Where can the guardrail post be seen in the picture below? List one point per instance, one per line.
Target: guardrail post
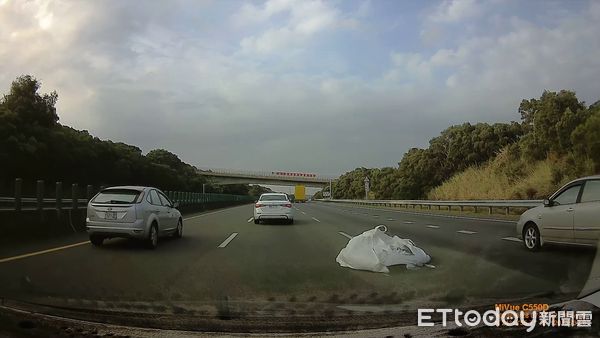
(507, 210)
(461, 208)
(39, 193)
(58, 197)
(74, 199)
(89, 192)
(18, 193)
(490, 210)
(475, 209)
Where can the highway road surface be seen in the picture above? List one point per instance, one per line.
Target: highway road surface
(226, 263)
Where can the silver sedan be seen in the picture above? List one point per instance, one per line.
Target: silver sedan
(132, 212)
(570, 216)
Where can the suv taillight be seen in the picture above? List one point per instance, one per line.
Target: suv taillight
(287, 205)
(258, 205)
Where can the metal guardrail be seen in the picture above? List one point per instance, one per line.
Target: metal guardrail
(18, 202)
(505, 205)
(183, 198)
(32, 203)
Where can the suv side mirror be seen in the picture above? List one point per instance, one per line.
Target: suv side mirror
(175, 204)
(548, 203)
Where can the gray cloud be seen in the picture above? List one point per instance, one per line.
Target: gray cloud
(163, 75)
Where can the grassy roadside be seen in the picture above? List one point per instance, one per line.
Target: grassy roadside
(483, 213)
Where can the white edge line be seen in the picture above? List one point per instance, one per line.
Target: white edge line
(316, 220)
(344, 234)
(229, 239)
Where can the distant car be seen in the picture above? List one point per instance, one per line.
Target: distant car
(132, 212)
(570, 216)
(273, 206)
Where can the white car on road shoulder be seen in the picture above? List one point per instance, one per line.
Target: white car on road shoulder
(570, 216)
(273, 206)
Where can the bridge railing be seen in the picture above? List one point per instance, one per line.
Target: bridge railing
(264, 173)
(76, 198)
(490, 205)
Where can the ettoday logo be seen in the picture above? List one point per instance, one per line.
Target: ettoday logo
(497, 318)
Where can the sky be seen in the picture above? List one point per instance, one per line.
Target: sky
(309, 86)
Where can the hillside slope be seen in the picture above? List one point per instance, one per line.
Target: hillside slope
(505, 177)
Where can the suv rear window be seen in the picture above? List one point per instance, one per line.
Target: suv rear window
(116, 196)
(273, 198)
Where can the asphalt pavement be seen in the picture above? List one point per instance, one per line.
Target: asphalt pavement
(225, 257)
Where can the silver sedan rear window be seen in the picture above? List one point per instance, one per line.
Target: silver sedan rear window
(116, 196)
(273, 198)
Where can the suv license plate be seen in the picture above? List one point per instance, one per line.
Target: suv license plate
(111, 215)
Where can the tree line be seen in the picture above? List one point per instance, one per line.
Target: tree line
(555, 125)
(34, 145)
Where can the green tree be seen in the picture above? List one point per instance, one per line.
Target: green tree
(549, 122)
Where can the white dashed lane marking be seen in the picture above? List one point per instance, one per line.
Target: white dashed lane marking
(229, 239)
(316, 220)
(344, 234)
(409, 222)
(466, 232)
(512, 239)
(433, 226)
(250, 220)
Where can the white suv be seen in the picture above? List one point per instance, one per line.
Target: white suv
(273, 206)
(132, 212)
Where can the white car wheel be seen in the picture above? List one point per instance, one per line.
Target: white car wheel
(531, 237)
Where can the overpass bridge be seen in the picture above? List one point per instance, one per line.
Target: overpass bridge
(228, 176)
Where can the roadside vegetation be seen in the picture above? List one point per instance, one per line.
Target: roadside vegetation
(34, 145)
(557, 139)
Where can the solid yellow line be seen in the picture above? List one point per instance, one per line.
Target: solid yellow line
(8, 259)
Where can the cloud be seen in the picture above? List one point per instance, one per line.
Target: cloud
(452, 11)
(305, 19)
(200, 79)
(485, 77)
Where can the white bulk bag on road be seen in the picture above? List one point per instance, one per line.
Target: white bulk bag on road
(373, 250)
